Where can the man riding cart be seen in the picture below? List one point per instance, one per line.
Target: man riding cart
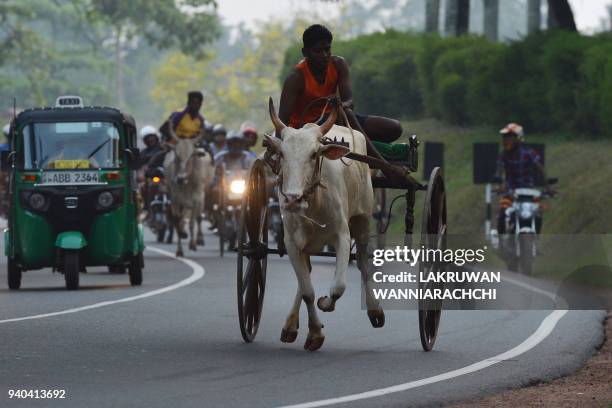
(307, 92)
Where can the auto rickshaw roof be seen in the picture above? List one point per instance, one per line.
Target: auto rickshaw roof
(86, 114)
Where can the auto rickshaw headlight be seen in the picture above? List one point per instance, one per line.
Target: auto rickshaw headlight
(105, 199)
(37, 201)
(237, 186)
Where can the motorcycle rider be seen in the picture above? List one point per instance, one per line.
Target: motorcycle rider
(150, 137)
(249, 133)
(521, 167)
(232, 159)
(219, 135)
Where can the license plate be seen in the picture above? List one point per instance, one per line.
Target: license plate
(70, 177)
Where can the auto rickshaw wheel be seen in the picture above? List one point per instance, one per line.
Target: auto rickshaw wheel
(135, 269)
(72, 269)
(13, 274)
(433, 236)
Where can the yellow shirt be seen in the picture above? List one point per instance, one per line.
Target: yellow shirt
(188, 127)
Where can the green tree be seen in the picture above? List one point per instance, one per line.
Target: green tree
(190, 26)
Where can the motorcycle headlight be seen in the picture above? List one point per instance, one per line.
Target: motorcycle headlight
(526, 210)
(156, 179)
(237, 186)
(37, 201)
(105, 199)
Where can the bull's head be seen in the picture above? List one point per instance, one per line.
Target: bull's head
(300, 151)
(185, 153)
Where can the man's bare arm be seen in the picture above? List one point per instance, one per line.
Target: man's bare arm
(292, 89)
(344, 82)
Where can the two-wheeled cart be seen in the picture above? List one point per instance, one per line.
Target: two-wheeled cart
(253, 247)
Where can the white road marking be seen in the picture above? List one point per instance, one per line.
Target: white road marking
(198, 273)
(543, 331)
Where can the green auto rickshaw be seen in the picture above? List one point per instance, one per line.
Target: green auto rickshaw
(73, 192)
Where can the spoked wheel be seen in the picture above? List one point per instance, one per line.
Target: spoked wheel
(433, 236)
(252, 252)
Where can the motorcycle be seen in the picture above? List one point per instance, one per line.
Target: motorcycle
(523, 209)
(159, 205)
(227, 210)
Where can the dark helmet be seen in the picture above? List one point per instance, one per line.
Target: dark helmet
(219, 128)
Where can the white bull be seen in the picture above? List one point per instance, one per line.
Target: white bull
(187, 170)
(327, 212)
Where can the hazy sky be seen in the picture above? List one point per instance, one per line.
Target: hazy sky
(588, 13)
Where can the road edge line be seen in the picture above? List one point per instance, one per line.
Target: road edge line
(198, 273)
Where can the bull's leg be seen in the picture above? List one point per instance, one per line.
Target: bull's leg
(299, 260)
(192, 239)
(292, 323)
(360, 229)
(176, 220)
(200, 234)
(343, 254)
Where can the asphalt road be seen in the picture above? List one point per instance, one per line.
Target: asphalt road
(175, 342)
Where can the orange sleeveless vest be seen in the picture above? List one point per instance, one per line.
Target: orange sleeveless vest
(313, 90)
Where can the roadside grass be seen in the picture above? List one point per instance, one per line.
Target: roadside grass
(583, 205)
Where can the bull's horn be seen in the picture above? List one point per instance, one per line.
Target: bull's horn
(278, 124)
(327, 125)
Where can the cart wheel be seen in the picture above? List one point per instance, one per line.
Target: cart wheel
(433, 236)
(135, 269)
(252, 250)
(72, 269)
(13, 274)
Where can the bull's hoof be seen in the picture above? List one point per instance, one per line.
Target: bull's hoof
(200, 241)
(377, 318)
(314, 342)
(326, 304)
(288, 336)
(193, 246)
(179, 253)
(183, 235)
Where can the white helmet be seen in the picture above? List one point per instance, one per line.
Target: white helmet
(148, 130)
(513, 128)
(6, 129)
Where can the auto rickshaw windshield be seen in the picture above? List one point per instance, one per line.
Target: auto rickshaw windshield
(70, 145)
